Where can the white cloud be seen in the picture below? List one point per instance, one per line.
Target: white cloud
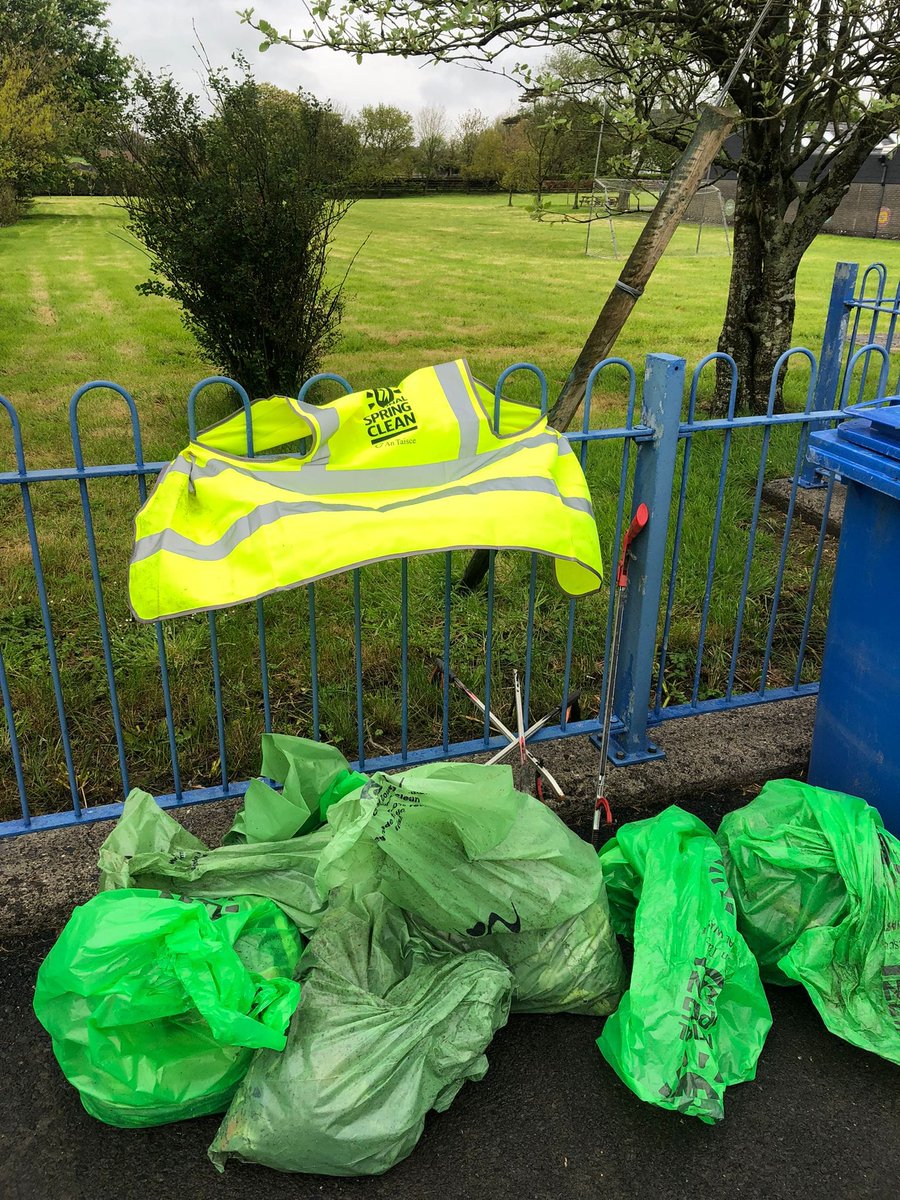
(161, 34)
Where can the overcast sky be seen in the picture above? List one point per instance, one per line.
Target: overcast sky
(160, 33)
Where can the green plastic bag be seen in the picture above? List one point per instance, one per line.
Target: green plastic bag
(387, 1029)
(816, 878)
(155, 1003)
(150, 849)
(575, 968)
(458, 848)
(313, 776)
(695, 1017)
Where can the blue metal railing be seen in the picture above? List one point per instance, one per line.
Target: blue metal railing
(848, 308)
(654, 459)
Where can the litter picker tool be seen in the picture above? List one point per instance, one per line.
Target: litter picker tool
(518, 739)
(601, 804)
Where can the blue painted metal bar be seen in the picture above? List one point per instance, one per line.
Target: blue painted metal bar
(789, 517)
(567, 670)
(161, 647)
(529, 639)
(445, 709)
(854, 358)
(357, 651)
(44, 603)
(313, 659)
(873, 326)
(763, 421)
(324, 377)
(404, 658)
(56, 474)
(813, 582)
(679, 521)
(831, 356)
(14, 748)
(489, 647)
(757, 503)
(627, 431)
(714, 539)
(217, 692)
(505, 374)
(653, 480)
(87, 517)
(321, 378)
(211, 381)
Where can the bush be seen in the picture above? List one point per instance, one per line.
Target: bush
(10, 205)
(237, 210)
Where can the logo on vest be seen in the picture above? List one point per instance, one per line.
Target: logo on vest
(389, 415)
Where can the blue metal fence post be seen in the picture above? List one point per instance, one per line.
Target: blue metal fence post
(654, 476)
(832, 356)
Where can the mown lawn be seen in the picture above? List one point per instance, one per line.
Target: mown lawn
(437, 278)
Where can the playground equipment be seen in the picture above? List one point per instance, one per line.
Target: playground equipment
(628, 199)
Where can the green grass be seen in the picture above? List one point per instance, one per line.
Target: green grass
(438, 277)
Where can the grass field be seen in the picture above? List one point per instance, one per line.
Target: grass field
(438, 277)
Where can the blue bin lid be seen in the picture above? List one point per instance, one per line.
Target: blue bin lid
(875, 428)
(865, 447)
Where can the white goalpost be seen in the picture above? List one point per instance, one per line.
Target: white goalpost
(628, 199)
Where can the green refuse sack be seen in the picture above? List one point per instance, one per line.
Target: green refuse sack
(149, 849)
(816, 878)
(156, 1003)
(458, 848)
(695, 1016)
(387, 1029)
(313, 776)
(575, 968)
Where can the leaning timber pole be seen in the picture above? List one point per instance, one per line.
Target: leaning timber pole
(712, 129)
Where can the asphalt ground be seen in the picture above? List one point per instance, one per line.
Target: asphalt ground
(550, 1120)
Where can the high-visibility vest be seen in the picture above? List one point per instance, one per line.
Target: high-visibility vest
(386, 473)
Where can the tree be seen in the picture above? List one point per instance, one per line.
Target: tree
(70, 46)
(495, 150)
(386, 135)
(237, 210)
(30, 131)
(431, 128)
(469, 128)
(819, 88)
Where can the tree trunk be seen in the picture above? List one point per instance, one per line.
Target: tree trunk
(759, 316)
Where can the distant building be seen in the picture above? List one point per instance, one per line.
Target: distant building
(871, 205)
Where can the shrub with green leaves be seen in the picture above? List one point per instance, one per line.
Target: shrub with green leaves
(237, 208)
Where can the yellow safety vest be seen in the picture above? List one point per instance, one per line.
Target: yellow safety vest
(390, 472)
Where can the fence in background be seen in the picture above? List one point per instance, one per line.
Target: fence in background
(654, 450)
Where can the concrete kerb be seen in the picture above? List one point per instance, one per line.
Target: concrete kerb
(43, 876)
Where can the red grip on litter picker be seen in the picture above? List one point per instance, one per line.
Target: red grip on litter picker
(637, 526)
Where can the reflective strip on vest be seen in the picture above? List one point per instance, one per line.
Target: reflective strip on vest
(386, 473)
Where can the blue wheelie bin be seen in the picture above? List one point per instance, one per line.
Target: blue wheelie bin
(856, 739)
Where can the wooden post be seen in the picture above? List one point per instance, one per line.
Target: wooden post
(712, 129)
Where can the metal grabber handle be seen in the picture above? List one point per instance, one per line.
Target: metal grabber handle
(634, 530)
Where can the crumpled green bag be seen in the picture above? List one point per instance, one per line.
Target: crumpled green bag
(149, 849)
(387, 1029)
(458, 848)
(313, 776)
(816, 878)
(574, 968)
(155, 1003)
(695, 1017)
